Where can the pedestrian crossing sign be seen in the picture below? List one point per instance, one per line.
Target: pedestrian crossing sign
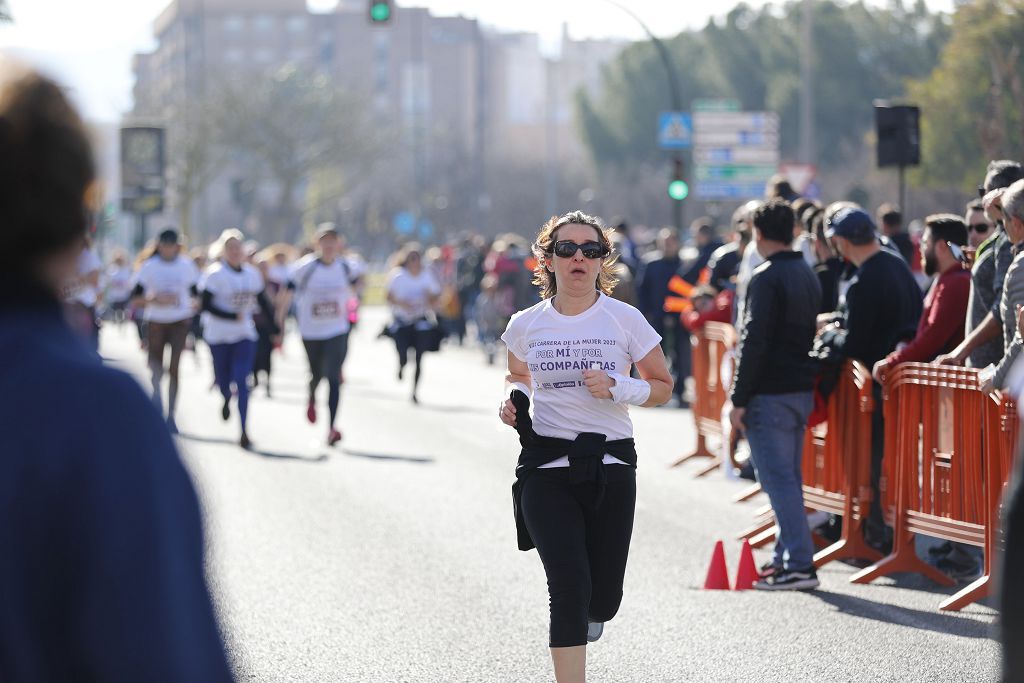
(675, 130)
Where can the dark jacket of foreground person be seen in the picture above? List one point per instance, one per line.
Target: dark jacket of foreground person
(102, 547)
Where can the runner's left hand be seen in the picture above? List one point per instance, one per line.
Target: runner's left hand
(598, 383)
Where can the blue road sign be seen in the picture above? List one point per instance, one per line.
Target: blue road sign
(405, 223)
(675, 130)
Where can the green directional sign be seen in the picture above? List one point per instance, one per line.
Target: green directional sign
(734, 173)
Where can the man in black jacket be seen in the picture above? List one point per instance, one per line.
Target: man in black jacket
(772, 388)
(882, 308)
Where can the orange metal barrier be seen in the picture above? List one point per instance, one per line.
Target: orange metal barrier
(836, 468)
(710, 345)
(949, 449)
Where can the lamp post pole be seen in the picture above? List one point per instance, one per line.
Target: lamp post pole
(674, 91)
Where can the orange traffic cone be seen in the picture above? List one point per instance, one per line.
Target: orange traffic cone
(718, 573)
(746, 572)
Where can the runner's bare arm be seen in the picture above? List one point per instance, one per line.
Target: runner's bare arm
(518, 371)
(654, 370)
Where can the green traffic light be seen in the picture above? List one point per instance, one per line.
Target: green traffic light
(678, 190)
(380, 11)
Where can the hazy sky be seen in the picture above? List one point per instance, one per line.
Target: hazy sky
(89, 44)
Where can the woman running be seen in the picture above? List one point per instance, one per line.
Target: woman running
(575, 489)
(231, 291)
(166, 286)
(266, 329)
(81, 295)
(117, 287)
(413, 292)
(323, 284)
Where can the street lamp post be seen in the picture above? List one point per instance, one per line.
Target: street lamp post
(675, 95)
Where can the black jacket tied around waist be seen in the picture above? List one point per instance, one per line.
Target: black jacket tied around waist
(586, 460)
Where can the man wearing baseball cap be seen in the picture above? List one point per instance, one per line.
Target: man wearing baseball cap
(882, 309)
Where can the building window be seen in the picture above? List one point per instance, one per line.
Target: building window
(263, 56)
(234, 23)
(296, 24)
(233, 56)
(263, 23)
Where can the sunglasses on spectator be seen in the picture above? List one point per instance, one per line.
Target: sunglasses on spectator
(568, 248)
(979, 227)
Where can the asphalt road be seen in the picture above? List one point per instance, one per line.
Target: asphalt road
(392, 557)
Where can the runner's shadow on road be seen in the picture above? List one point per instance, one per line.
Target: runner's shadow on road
(905, 616)
(322, 457)
(418, 460)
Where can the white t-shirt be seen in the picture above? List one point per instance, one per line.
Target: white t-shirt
(118, 281)
(234, 291)
(78, 291)
(415, 291)
(170, 282)
(279, 273)
(322, 294)
(558, 348)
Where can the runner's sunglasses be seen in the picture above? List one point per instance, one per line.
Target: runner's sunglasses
(567, 249)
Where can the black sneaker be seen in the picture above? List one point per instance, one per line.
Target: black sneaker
(768, 569)
(225, 411)
(790, 580)
(594, 631)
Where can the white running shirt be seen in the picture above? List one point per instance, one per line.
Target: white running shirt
(415, 291)
(170, 283)
(234, 291)
(78, 291)
(322, 295)
(558, 348)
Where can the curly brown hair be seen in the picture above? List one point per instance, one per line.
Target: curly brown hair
(544, 245)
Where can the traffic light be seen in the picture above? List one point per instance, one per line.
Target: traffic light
(380, 11)
(677, 187)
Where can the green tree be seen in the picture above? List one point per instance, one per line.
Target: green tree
(293, 124)
(972, 104)
(861, 54)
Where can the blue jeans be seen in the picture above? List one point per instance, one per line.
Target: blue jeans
(775, 425)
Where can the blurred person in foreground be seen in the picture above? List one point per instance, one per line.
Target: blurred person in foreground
(945, 307)
(772, 392)
(102, 535)
(1011, 560)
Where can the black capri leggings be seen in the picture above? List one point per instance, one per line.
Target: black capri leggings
(583, 550)
(326, 356)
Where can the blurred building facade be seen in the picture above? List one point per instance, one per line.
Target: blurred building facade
(464, 101)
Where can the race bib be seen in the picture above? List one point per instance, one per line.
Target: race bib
(326, 309)
(242, 301)
(167, 299)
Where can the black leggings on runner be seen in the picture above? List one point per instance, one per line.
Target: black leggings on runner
(583, 550)
(408, 337)
(326, 356)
